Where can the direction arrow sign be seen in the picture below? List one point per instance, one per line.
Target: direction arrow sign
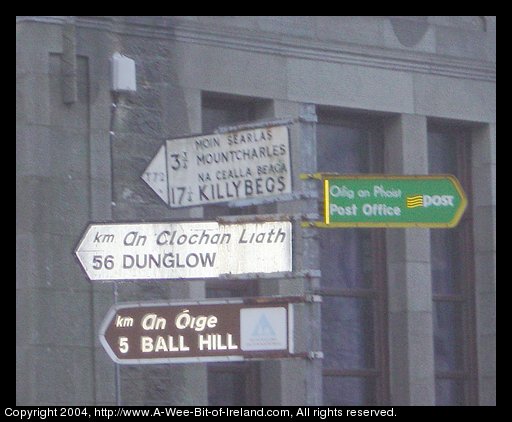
(184, 250)
(435, 201)
(209, 169)
(204, 331)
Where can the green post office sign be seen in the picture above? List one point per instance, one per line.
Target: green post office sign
(435, 201)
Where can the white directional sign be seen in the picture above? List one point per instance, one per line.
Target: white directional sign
(184, 250)
(215, 168)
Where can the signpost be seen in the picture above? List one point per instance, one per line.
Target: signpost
(184, 250)
(199, 331)
(209, 169)
(434, 201)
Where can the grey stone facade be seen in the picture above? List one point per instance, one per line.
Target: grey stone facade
(70, 171)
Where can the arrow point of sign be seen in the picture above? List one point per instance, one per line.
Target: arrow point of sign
(78, 249)
(155, 175)
(83, 250)
(463, 201)
(109, 318)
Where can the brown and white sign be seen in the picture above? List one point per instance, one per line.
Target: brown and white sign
(214, 168)
(200, 331)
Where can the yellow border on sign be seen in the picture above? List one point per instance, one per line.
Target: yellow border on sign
(327, 176)
(326, 202)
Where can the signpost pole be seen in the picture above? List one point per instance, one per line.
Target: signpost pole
(117, 368)
(111, 134)
(310, 248)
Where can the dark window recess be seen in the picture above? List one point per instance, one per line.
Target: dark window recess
(453, 278)
(353, 265)
(229, 110)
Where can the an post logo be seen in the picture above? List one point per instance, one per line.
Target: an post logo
(426, 201)
(414, 201)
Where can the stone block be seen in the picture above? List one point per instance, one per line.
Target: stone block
(461, 43)
(419, 287)
(417, 247)
(485, 271)
(454, 98)
(32, 145)
(25, 332)
(51, 205)
(487, 391)
(398, 358)
(397, 285)
(293, 382)
(62, 319)
(484, 230)
(347, 29)
(290, 26)
(270, 371)
(55, 265)
(423, 394)
(487, 355)
(484, 186)
(33, 42)
(139, 120)
(104, 378)
(349, 86)
(22, 376)
(61, 376)
(486, 313)
(238, 72)
(230, 23)
(32, 99)
(68, 154)
(484, 145)
(26, 260)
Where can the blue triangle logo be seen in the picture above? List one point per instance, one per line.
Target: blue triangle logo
(263, 328)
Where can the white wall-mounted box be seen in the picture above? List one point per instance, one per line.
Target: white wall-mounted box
(123, 73)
